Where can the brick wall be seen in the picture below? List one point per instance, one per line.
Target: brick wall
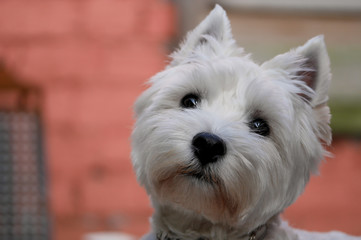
(90, 57)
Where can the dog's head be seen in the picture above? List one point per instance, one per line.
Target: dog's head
(223, 137)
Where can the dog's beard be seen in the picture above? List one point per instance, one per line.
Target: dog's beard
(201, 189)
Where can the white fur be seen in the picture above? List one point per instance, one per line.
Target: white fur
(259, 176)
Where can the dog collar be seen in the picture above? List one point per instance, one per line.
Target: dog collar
(257, 234)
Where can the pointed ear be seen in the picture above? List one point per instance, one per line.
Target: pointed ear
(315, 72)
(213, 33)
(308, 64)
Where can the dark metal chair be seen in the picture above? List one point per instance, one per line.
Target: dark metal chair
(24, 211)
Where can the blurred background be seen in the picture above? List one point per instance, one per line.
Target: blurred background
(70, 71)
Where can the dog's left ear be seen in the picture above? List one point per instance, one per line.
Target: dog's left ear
(212, 36)
(315, 72)
(309, 68)
(308, 64)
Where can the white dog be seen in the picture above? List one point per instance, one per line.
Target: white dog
(223, 145)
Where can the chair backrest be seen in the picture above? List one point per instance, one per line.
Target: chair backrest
(23, 183)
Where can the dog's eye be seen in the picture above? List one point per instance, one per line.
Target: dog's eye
(190, 101)
(259, 126)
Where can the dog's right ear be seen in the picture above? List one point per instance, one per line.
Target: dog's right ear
(212, 36)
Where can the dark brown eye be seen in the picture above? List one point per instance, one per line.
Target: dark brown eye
(190, 101)
(260, 127)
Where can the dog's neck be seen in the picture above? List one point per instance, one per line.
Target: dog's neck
(172, 224)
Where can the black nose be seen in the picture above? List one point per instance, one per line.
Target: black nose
(208, 147)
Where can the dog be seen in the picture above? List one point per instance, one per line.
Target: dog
(223, 145)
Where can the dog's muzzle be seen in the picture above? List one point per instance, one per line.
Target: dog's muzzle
(208, 147)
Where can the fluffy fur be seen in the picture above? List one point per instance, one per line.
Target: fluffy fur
(260, 175)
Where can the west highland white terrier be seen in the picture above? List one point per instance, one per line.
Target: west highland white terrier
(223, 145)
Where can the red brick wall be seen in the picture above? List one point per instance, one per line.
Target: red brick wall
(91, 58)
